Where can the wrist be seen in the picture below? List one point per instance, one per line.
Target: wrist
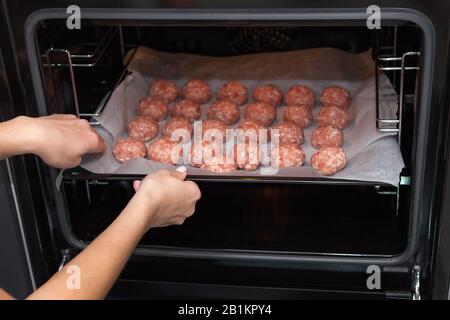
(15, 136)
(142, 209)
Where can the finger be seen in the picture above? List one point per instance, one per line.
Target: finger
(195, 190)
(179, 173)
(136, 184)
(59, 116)
(97, 145)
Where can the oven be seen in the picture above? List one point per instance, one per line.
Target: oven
(274, 238)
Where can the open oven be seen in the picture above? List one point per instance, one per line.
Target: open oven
(274, 237)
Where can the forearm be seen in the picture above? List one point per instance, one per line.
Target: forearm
(13, 137)
(101, 262)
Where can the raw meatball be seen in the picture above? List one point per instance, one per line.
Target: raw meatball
(224, 110)
(330, 115)
(288, 132)
(301, 115)
(165, 90)
(286, 155)
(178, 123)
(129, 148)
(298, 95)
(197, 91)
(187, 109)
(262, 112)
(143, 128)
(337, 96)
(329, 161)
(269, 93)
(163, 150)
(207, 153)
(153, 107)
(219, 168)
(234, 91)
(250, 128)
(211, 124)
(246, 156)
(327, 136)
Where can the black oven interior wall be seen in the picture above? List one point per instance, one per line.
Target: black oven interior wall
(356, 218)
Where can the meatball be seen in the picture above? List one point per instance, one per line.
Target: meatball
(187, 109)
(286, 155)
(330, 115)
(224, 110)
(163, 150)
(246, 156)
(181, 126)
(143, 128)
(269, 93)
(251, 128)
(197, 91)
(209, 128)
(164, 90)
(153, 107)
(329, 161)
(261, 112)
(129, 148)
(327, 136)
(298, 95)
(337, 96)
(288, 132)
(301, 115)
(207, 153)
(234, 91)
(219, 168)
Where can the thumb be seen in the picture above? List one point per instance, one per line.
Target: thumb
(179, 173)
(136, 184)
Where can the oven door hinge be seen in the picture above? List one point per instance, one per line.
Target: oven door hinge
(65, 257)
(416, 274)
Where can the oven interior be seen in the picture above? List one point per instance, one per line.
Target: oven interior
(80, 68)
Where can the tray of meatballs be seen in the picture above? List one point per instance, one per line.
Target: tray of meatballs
(239, 127)
(258, 116)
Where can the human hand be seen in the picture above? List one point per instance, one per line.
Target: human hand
(164, 198)
(60, 140)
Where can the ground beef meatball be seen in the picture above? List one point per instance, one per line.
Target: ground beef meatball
(219, 168)
(208, 153)
(186, 109)
(286, 155)
(178, 123)
(268, 93)
(246, 155)
(301, 115)
(337, 96)
(143, 128)
(164, 90)
(163, 150)
(197, 91)
(261, 112)
(234, 91)
(329, 161)
(129, 148)
(153, 107)
(330, 115)
(327, 136)
(209, 125)
(251, 128)
(300, 95)
(288, 132)
(224, 110)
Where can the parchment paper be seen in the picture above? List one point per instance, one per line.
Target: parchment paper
(372, 155)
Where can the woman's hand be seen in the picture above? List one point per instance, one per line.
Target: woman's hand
(60, 140)
(163, 198)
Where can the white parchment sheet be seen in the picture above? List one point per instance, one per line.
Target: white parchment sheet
(372, 155)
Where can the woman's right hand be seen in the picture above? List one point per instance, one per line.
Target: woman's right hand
(163, 198)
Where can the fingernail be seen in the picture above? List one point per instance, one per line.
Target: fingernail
(181, 169)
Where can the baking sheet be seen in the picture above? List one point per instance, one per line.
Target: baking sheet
(372, 155)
